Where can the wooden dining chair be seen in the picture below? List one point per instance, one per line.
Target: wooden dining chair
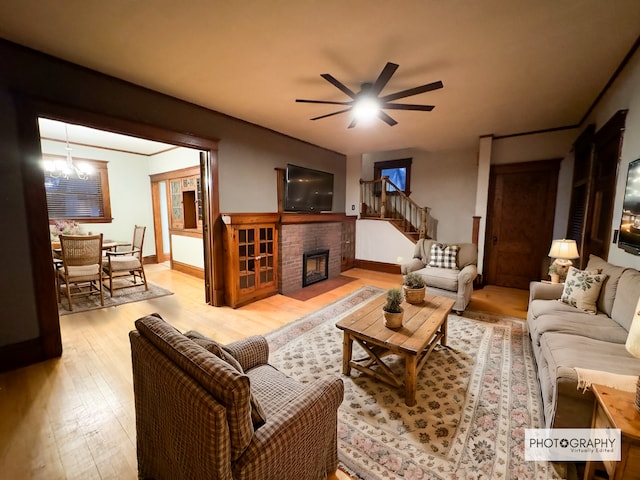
(125, 267)
(81, 272)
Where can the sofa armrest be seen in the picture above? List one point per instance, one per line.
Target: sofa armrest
(545, 291)
(467, 275)
(299, 427)
(250, 352)
(411, 266)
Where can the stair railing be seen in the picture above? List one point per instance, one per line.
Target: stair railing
(381, 198)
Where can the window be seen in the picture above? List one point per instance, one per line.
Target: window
(398, 171)
(86, 201)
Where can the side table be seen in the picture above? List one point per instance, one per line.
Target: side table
(616, 409)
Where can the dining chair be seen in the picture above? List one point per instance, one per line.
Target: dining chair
(81, 273)
(124, 267)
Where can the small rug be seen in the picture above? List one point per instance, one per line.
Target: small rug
(475, 398)
(129, 295)
(319, 288)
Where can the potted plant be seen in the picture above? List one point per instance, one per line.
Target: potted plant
(414, 288)
(392, 311)
(554, 274)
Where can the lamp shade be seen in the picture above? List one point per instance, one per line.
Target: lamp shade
(564, 249)
(633, 339)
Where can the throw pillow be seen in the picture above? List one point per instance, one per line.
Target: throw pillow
(444, 256)
(258, 417)
(582, 288)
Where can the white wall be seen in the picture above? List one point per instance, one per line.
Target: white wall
(443, 181)
(379, 241)
(174, 159)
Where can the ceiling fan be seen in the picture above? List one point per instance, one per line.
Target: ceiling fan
(368, 100)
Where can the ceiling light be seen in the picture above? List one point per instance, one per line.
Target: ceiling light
(65, 168)
(365, 109)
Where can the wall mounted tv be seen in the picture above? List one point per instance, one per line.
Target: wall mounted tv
(307, 190)
(629, 238)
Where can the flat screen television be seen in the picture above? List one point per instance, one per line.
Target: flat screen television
(307, 190)
(629, 237)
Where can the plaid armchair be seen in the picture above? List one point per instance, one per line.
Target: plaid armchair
(207, 411)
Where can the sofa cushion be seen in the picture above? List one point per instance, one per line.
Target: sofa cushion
(627, 295)
(444, 256)
(610, 284)
(582, 288)
(258, 417)
(444, 278)
(467, 255)
(228, 386)
(552, 316)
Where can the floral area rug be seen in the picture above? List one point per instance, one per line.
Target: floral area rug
(475, 397)
(128, 295)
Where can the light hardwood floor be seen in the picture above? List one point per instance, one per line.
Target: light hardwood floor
(73, 417)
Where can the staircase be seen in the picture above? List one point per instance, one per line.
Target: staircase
(382, 199)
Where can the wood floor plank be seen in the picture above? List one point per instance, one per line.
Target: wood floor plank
(74, 417)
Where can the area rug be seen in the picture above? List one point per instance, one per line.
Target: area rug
(133, 294)
(475, 398)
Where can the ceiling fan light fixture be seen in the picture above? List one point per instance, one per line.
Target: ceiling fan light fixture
(366, 109)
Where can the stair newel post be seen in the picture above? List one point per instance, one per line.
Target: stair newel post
(383, 198)
(424, 214)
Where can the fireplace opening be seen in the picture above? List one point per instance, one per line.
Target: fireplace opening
(315, 267)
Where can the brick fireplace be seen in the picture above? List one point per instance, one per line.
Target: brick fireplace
(300, 235)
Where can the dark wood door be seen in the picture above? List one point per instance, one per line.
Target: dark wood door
(522, 199)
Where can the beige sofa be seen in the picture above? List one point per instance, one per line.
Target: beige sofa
(456, 283)
(208, 411)
(565, 338)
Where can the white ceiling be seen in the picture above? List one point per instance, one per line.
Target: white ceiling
(508, 66)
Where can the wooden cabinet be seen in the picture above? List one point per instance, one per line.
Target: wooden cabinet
(186, 203)
(251, 257)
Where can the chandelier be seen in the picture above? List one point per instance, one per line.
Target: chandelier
(67, 168)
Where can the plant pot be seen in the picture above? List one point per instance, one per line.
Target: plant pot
(392, 320)
(414, 296)
(555, 278)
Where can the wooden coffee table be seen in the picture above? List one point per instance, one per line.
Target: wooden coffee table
(423, 327)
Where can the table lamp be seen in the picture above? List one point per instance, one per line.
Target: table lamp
(633, 345)
(563, 251)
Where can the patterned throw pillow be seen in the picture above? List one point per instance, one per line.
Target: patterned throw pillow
(444, 256)
(582, 288)
(258, 417)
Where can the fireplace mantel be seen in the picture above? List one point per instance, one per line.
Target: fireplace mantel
(293, 218)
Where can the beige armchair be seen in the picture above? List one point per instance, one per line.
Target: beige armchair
(123, 268)
(456, 282)
(206, 411)
(80, 274)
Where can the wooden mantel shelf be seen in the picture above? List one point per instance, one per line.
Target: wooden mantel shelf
(283, 218)
(294, 218)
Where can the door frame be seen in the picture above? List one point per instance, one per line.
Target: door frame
(28, 110)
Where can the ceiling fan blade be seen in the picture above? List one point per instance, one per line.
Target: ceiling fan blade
(404, 106)
(384, 77)
(331, 114)
(412, 91)
(329, 78)
(353, 123)
(386, 118)
(323, 102)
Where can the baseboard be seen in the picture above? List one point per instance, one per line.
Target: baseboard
(377, 266)
(21, 354)
(188, 269)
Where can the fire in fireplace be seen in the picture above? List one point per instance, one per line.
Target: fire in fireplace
(315, 267)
